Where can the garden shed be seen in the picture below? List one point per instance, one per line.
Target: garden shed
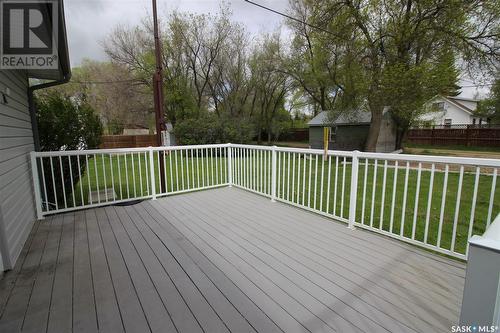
(350, 131)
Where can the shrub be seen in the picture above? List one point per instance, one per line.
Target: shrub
(65, 123)
(209, 128)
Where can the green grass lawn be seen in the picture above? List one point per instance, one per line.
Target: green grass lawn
(374, 207)
(129, 175)
(453, 147)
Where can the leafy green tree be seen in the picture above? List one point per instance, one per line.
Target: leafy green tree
(311, 62)
(270, 86)
(490, 107)
(115, 127)
(408, 88)
(400, 43)
(65, 123)
(214, 129)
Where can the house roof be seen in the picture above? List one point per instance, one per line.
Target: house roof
(135, 126)
(463, 98)
(320, 119)
(456, 101)
(64, 68)
(347, 118)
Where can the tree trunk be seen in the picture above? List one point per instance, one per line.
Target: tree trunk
(400, 137)
(374, 131)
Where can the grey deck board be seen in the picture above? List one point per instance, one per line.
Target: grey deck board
(84, 315)
(324, 293)
(284, 320)
(133, 316)
(251, 312)
(312, 272)
(366, 250)
(199, 295)
(152, 305)
(364, 277)
(312, 306)
(157, 264)
(109, 317)
(12, 316)
(61, 307)
(8, 280)
(223, 260)
(372, 246)
(37, 312)
(287, 302)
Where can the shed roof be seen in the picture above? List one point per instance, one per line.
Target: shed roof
(347, 118)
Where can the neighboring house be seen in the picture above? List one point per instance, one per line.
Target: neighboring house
(168, 135)
(136, 130)
(18, 137)
(448, 110)
(349, 132)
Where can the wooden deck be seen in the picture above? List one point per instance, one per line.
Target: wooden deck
(222, 260)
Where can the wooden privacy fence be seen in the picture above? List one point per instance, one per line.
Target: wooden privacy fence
(295, 134)
(466, 136)
(127, 141)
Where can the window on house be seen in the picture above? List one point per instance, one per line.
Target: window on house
(447, 122)
(438, 106)
(473, 121)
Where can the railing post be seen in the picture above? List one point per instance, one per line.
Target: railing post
(354, 188)
(36, 185)
(273, 174)
(152, 172)
(481, 297)
(230, 165)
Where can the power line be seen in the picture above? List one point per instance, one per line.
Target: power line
(106, 82)
(478, 85)
(291, 17)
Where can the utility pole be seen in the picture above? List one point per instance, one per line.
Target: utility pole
(158, 97)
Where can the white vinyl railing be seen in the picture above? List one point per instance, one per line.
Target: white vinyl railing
(434, 202)
(70, 180)
(481, 298)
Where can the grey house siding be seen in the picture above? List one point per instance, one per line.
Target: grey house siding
(316, 137)
(17, 211)
(352, 135)
(349, 137)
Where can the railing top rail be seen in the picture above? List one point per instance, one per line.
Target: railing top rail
(493, 231)
(433, 159)
(219, 145)
(121, 150)
(87, 152)
(485, 162)
(238, 145)
(491, 237)
(316, 151)
(294, 150)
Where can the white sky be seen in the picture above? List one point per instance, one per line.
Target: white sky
(90, 21)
